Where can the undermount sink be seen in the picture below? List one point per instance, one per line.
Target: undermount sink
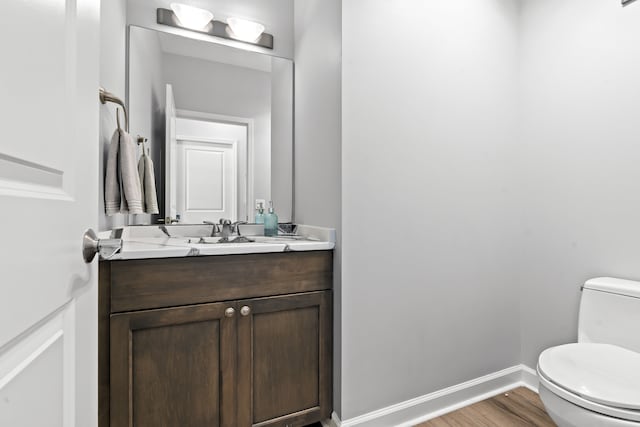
(281, 238)
(247, 239)
(192, 233)
(150, 241)
(221, 240)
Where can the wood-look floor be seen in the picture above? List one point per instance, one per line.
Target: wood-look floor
(517, 408)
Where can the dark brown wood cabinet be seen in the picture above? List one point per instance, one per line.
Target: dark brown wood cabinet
(236, 355)
(284, 360)
(173, 367)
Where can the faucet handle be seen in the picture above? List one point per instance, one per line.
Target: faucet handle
(235, 226)
(214, 227)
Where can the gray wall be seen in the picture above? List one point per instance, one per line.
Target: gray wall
(112, 76)
(317, 134)
(275, 15)
(429, 278)
(580, 153)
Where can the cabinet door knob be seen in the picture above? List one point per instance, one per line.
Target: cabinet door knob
(245, 311)
(229, 312)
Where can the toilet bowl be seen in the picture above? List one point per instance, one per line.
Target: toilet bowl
(584, 385)
(596, 382)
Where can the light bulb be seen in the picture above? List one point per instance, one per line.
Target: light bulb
(192, 17)
(245, 30)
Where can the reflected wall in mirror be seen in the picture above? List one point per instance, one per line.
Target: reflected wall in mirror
(219, 122)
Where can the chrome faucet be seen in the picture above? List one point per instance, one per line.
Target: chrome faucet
(214, 227)
(236, 227)
(229, 228)
(164, 230)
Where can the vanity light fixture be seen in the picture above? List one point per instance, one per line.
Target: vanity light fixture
(200, 20)
(192, 17)
(245, 30)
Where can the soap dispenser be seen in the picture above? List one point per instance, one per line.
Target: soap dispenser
(271, 222)
(260, 214)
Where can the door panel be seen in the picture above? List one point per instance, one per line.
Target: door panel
(168, 364)
(41, 358)
(211, 170)
(173, 367)
(47, 363)
(284, 360)
(48, 193)
(206, 176)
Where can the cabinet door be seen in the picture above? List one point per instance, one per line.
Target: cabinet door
(284, 360)
(174, 367)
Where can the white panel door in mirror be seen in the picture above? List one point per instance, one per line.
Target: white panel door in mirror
(210, 170)
(207, 176)
(205, 179)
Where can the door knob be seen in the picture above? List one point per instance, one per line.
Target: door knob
(91, 246)
(229, 312)
(245, 311)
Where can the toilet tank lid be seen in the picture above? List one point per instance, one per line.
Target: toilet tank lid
(623, 287)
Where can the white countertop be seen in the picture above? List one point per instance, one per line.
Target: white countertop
(145, 242)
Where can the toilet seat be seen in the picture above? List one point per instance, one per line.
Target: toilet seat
(600, 377)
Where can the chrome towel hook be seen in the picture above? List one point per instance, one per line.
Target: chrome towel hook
(143, 141)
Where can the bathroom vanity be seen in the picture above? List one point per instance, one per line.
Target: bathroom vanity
(196, 328)
(229, 340)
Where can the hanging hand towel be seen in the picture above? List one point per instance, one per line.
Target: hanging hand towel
(122, 183)
(148, 184)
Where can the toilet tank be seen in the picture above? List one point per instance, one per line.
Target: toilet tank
(610, 313)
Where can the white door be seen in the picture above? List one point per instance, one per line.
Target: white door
(211, 159)
(48, 197)
(207, 184)
(170, 155)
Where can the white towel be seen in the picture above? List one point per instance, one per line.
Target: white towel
(122, 184)
(148, 184)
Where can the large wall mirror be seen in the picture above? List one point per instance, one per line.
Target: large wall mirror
(219, 124)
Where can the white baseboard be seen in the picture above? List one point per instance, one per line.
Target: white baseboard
(529, 378)
(331, 422)
(433, 405)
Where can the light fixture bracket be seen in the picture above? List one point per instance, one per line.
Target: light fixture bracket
(215, 28)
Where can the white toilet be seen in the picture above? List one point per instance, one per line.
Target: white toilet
(596, 382)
